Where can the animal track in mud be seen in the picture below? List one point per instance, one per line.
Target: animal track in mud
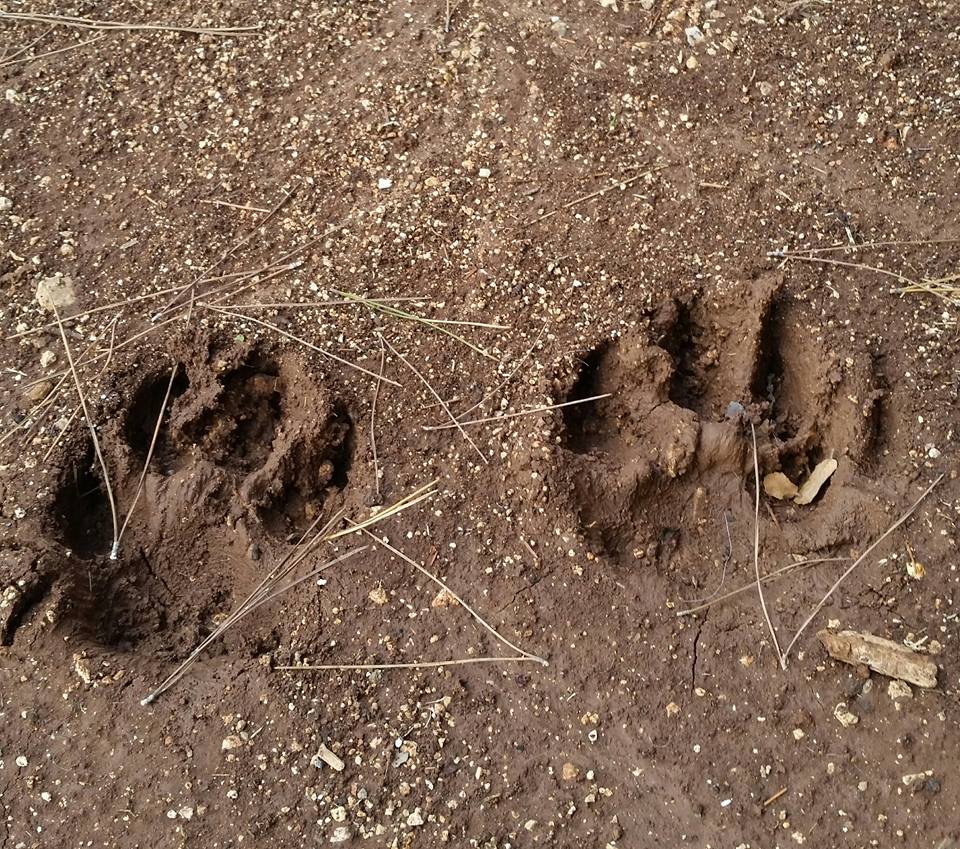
(145, 408)
(251, 449)
(237, 431)
(81, 511)
(660, 452)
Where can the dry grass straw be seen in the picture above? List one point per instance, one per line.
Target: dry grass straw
(947, 287)
(93, 430)
(520, 656)
(619, 184)
(23, 60)
(440, 400)
(504, 416)
(782, 572)
(232, 312)
(826, 597)
(756, 547)
(437, 324)
(373, 420)
(205, 274)
(272, 585)
(146, 464)
(783, 654)
(124, 26)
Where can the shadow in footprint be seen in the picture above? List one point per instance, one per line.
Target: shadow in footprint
(81, 509)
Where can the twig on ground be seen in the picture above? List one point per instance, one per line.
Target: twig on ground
(25, 59)
(756, 547)
(435, 324)
(88, 23)
(77, 409)
(244, 206)
(268, 588)
(903, 518)
(768, 802)
(233, 313)
(96, 357)
(620, 184)
(91, 426)
(373, 420)
(792, 257)
(423, 664)
(782, 572)
(146, 464)
(846, 246)
(458, 423)
(8, 58)
(433, 392)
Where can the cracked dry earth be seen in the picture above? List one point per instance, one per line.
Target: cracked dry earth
(627, 195)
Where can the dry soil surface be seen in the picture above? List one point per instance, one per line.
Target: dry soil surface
(719, 221)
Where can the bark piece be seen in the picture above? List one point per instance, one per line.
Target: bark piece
(811, 487)
(883, 656)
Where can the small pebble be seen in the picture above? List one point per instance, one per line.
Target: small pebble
(341, 834)
(899, 690)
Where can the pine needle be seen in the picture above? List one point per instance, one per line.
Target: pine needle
(903, 518)
(91, 426)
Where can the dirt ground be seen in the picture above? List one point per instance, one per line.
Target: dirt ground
(632, 196)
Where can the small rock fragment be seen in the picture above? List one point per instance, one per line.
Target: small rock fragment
(778, 485)
(415, 819)
(230, 743)
(899, 690)
(915, 778)
(694, 35)
(56, 291)
(378, 595)
(324, 755)
(812, 485)
(734, 409)
(36, 393)
(569, 772)
(341, 834)
(444, 598)
(842, 714)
